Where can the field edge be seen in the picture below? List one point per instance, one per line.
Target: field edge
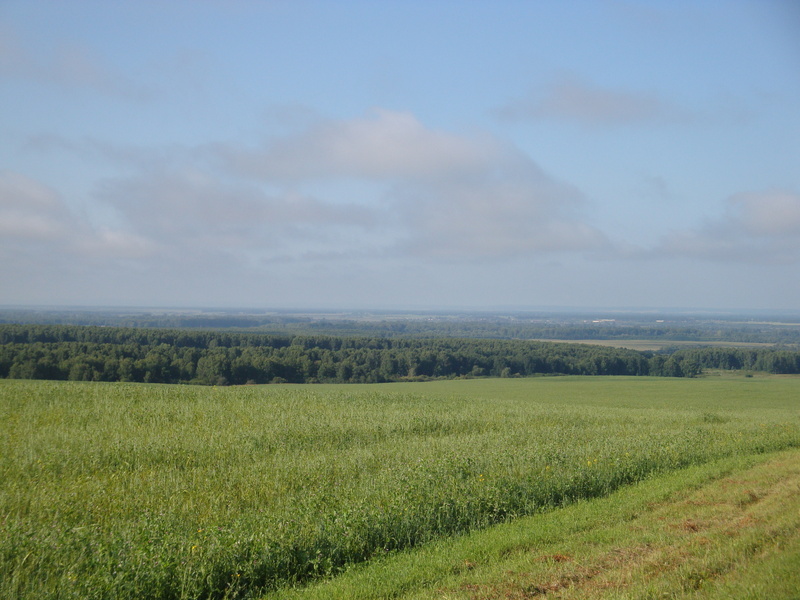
(710, 545)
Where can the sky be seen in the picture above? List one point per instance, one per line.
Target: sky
(400, 154)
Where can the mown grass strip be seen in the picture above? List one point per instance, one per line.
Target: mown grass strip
(727, 529)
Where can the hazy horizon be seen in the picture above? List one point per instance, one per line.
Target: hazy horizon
(410, 311)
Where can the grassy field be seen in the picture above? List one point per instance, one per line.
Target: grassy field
(721, 530)
(133, 491)
(656, 345)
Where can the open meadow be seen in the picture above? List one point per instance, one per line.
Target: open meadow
(645, 345)
(160, 491)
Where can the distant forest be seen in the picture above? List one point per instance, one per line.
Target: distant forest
(556, 326)
(95, 353)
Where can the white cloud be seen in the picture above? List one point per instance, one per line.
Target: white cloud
(447, 195)
(34, 219)
(188, 210)
(772, 213)
(116, 243)
(571, 99)
(30, 210)
(420, 194)
(756, 227)
(19, 191)
(67, 65)
(384, 145)
(499, 213)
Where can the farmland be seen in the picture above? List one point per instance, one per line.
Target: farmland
(132, 490)
(656, 345)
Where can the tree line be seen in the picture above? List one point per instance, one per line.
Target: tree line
(213, 357)
(437, 326)
(86, 353)
(770, 360)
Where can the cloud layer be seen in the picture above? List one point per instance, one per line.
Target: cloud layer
(442, 194)
(68, 65)
(384, 145)
(432, 195)
(570, 99)
(34, 219)
(755, 227)
(429, 193)
(369, 194)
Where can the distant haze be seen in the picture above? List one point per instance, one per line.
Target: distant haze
(400, 154)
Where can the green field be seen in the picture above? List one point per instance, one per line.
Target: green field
(155, 491)
(721, 530)
(656, 345)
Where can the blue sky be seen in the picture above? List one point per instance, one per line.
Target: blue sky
(406, 154)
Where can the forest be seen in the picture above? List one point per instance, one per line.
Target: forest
(97, 353)
(524, 325)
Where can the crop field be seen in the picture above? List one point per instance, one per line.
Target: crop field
(656, 345)
(158, 491)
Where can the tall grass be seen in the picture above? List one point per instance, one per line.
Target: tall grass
(131, 491)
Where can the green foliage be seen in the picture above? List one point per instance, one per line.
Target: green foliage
(773, 328)
(773, 360)
(725, 529)
(215, 358)
(131, 491)
(79, 353)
